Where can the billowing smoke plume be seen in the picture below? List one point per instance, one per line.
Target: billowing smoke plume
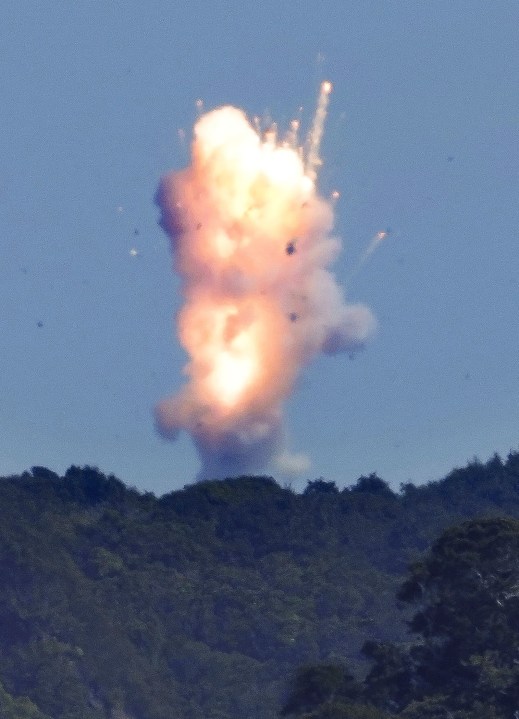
(251, 241)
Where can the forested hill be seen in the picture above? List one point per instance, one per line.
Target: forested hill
(201, 604)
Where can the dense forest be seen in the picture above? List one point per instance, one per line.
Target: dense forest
(240, 599)
(464, 662)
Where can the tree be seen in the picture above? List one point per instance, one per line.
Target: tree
(320, 486)
(468, 588)
(466, 662)
(390, 683)
(467, 591)
(18, 707)
(372, 484)
(323, 684)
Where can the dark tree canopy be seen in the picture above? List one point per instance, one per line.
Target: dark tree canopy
(202, 603)
(320, 486)
(466, 662)
(372, 484)
(468, 587)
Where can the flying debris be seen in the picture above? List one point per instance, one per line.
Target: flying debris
(245, 195)
(375, 241)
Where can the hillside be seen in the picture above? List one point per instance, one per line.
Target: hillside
(202, 603)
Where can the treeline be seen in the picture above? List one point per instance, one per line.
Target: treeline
(203, 603)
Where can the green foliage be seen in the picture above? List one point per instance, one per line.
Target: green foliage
(320, 486)
(472, 567)
(322, 684)
(18, 708)
(467, 591)
(372, 484)
(466, 663)
(391, 682)
(202, 603)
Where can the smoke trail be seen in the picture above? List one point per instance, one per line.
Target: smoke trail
(316, 133)
(251, 241)
(373, 244)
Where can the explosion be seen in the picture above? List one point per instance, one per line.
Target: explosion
(251, 240)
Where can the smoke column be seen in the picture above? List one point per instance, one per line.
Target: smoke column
(250, 237)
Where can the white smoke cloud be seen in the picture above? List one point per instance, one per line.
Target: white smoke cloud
(292, 464)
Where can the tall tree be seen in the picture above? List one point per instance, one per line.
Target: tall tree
(467, 592)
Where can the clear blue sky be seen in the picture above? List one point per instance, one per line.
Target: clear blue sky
(422, 137)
